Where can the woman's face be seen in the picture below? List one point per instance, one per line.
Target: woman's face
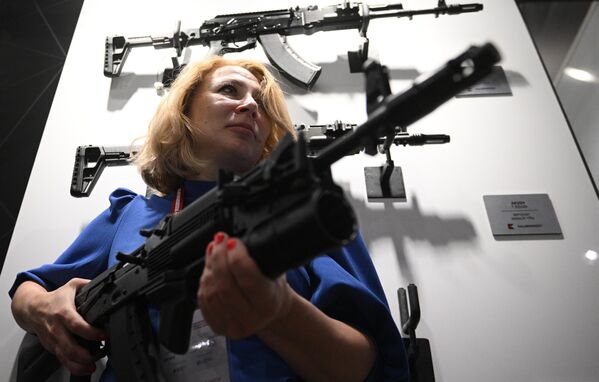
(226, 111)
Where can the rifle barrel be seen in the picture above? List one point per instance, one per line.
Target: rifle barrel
(450, 10)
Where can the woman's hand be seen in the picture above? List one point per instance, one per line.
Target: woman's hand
(52, 316)
(236, 299)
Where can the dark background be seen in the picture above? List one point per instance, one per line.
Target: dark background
(34, 41)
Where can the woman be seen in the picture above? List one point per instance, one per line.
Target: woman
(326, 321)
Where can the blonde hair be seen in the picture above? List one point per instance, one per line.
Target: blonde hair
(168, 156)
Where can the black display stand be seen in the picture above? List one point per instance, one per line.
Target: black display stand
(419, 349)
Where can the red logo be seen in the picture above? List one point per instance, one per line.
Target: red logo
(510, 226)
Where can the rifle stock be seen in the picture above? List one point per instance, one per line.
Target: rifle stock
(116, 50)
(272, 209)
(90, 162)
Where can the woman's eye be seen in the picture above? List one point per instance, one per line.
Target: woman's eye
(228, 89)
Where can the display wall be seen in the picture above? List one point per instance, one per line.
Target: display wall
(513, 308)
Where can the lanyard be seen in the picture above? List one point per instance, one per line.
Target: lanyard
(178, 202)
(211, 363)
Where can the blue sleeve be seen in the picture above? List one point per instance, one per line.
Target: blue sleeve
(87, 256)
(346, 287)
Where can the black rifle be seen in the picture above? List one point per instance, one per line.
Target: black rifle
(224, 33)
(284, 200)
(90, 160)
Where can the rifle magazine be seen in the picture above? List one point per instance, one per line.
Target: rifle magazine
(288, 62)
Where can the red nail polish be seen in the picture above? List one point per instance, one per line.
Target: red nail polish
(231, 243)
(219, 237)
(210, 248)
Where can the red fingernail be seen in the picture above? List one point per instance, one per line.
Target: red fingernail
(231, 243)
(210, 247)
(219, 237)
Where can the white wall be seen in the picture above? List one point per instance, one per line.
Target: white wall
(515, 310)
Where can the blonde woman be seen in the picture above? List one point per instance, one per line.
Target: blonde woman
(325, 321)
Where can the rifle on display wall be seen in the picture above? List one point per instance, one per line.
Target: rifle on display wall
(272, 209)
(90, 160)
(224, 33)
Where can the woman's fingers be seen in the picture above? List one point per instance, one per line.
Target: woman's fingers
(235, 297)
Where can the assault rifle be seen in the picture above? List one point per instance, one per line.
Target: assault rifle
(90, 161)
(284, 200)
(224, 33)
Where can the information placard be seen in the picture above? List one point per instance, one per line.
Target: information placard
(528, 214)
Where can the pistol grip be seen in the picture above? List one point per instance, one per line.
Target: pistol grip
(175, 324)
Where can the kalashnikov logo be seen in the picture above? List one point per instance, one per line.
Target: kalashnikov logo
(511, 226)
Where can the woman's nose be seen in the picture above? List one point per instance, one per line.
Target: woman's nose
(248, 105)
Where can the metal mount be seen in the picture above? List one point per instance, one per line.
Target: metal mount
(419, 349)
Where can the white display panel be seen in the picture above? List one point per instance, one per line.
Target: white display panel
(509, 310)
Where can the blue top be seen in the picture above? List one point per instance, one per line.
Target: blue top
(343, 284)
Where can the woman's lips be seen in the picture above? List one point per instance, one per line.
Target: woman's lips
(244, 128)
